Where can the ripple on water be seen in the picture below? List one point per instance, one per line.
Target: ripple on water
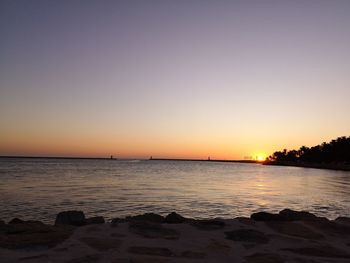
(40, 188)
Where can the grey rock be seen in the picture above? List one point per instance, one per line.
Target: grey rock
(15, 221)
(284, 215)
(264, 216)
(74, 218)
(31, 234)
(342, 220)
(291, 215)
(174, 218)
(149, 217)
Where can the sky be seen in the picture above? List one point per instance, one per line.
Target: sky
(182, 79)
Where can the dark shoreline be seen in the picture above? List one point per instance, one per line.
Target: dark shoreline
(151, 159)
(331, 166)
(204, 160)
(287, 236)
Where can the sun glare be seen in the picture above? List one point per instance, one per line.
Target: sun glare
(260, 158)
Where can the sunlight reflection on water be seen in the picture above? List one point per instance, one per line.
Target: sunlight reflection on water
(40, 188)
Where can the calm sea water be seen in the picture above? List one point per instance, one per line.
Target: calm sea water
(40, 188)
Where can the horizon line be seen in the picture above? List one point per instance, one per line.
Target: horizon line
(127, 158)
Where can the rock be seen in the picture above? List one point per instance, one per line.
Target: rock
(74, 218)
(15, 221)
(342, 220)
(32, 234)
(211, 224)
(28, 222)
(291, 215)
(174, 218)
(152, 230)
(151, 251)
(101, 244)
(264, 216)
(247, 235)
(95, 220)
(320, 251)
(116, 221)
(264, 258)
(149, 217)
(284, 215)
(294, 229)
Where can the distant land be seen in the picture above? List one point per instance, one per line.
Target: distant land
(151, 159)
(334, 155)
(203, 160)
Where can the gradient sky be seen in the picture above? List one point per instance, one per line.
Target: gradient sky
(181, 78)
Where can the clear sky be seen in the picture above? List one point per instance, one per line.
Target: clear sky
(181, 78)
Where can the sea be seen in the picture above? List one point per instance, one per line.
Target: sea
(39, 188)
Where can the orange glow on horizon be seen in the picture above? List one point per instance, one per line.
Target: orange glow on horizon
(95, 143)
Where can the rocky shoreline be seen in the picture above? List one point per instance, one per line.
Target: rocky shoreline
(289, 236)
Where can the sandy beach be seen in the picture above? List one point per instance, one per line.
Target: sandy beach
(289, 236)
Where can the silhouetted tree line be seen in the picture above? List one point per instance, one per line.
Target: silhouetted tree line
(336, 151)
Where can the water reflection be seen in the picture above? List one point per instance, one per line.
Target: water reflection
(40, 188)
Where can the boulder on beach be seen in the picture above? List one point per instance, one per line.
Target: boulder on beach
(291, 215)
(288, 236)
(149, 217)
(342, 220)
(22, 234)
(16, 221)
(74, 218)
(174, 218)
(265, 216)
(284, 215)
